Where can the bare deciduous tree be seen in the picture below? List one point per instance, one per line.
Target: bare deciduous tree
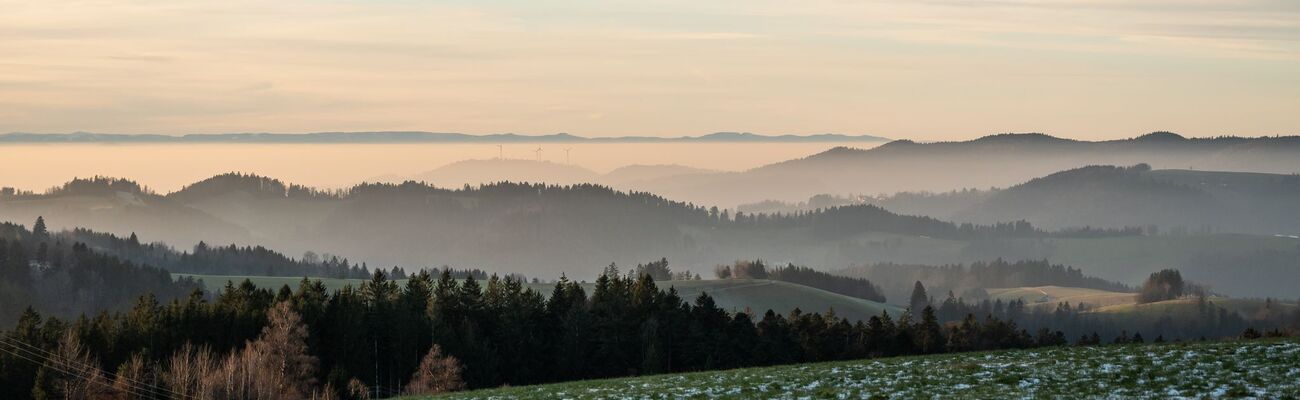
(81, 379)
(189, 372)
(136, 378)
(358, 389)
(438, 373)
(275, 366)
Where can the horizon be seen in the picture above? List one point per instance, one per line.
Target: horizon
(523, 137)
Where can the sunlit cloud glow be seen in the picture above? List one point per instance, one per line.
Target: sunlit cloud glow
(927, 70)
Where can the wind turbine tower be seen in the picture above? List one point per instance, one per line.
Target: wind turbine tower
(566, 156)
(539, 153)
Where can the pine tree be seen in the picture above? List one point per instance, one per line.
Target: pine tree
(919, 298)
(39, 230)
(929, 335)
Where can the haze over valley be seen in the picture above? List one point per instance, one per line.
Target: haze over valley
(1235, 229)
(573, 199)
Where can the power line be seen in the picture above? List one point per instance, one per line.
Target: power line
(41, 361)
(154, 391)
(71, 367)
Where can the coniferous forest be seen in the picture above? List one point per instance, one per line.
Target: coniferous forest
(163, 338)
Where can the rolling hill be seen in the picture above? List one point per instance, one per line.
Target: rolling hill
(1050, 296)
(1125, 305)
(533, 229)
(1175, 200)
(1171, 201)
(546, 230)
(1246, 307)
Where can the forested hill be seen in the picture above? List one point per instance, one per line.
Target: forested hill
(1172, 200)
(1167, 201)
(992, 161)
(67, 278)
(537, 230)
(119, 206)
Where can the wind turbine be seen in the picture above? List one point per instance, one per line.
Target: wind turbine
(539, 153)
(566, 155)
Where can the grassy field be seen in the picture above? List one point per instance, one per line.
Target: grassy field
(1050, 296)
(1188, 306)
(731, 295)
(1258, 369)
(1127, 259)
(1125, 304)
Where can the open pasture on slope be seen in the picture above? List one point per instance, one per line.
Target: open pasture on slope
(1256, 369)
(1051, 296)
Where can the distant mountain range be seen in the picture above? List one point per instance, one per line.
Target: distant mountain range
(416, 137)
(1168, 201)
(992, 161)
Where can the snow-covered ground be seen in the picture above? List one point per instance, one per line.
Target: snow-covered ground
(1252, 369)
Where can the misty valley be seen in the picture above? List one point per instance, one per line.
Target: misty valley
(520, 272)
(618, 200)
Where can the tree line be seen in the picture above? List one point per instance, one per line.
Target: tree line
(969, 280)
(757, 269)
(374, 339)
(434, 334)
(831, 220)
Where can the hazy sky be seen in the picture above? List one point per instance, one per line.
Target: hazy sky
(904, 69)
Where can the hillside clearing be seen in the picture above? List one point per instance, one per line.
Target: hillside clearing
(1050, 296)
(1190, 306)
(1265, 369)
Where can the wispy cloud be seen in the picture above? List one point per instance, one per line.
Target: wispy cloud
(663, 67)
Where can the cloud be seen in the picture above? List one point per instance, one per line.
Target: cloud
(667, 67)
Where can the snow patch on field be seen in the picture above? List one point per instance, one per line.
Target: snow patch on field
(1259, 369)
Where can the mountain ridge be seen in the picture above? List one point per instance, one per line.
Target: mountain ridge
(999, 160)
(417, 137)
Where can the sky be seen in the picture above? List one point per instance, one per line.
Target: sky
(924, 70)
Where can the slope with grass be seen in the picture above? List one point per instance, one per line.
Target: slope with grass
(1122, 304)
(1262, 369)
(731, 294)
(1051, 296)
(1187, 307)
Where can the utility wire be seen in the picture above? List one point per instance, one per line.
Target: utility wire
(76, 365)
(154, 391)
(47, 364)
(81, 371)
